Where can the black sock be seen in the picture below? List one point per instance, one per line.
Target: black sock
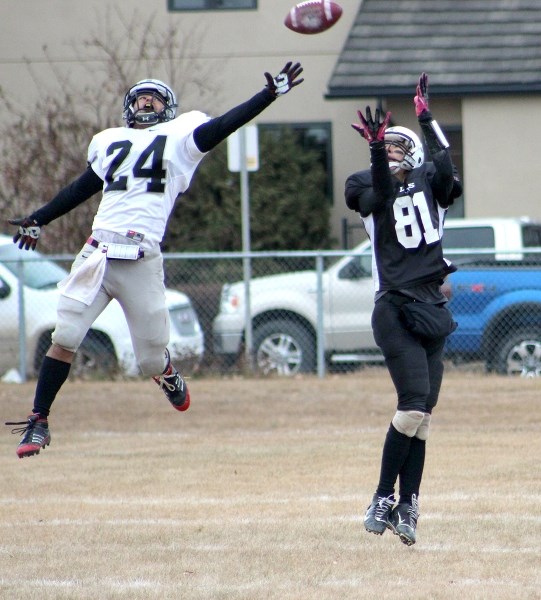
(52, 375)
(412, 470)
(395, 452)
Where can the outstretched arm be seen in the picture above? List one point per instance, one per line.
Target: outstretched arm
(210, 134)
(437, 144)
(79, 190)
(365, 201)
(434, 136)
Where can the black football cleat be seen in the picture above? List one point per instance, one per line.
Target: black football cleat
(403, 521)
(36, 435)
(376, 519)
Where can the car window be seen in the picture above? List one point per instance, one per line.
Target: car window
(37, 274)
(458, 237)
(366, 262)
(466, 237)
(531, 235)
(358, 266)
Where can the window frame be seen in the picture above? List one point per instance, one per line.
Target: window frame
(212, 5)
(454, 136)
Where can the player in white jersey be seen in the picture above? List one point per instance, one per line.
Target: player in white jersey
(402, 201)
(140, 169)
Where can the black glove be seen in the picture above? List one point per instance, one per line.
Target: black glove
(372, 129)
(28, 233)
(285, 80)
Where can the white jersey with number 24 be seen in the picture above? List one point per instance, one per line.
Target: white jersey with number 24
(143, 172)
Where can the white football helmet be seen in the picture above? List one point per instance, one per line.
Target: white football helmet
(411, 144)
(144, 117)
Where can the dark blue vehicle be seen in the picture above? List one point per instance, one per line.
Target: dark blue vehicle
(497, 305)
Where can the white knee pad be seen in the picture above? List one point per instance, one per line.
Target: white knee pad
(152, 364)
(74, 320)
(422, 431)
(153, 359)
(70, 329)
(150, 338)
(408, 421)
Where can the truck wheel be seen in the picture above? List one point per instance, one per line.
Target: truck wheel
(95, 359)
(285, 348)
(520, 354)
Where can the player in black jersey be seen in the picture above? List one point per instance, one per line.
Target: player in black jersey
(402, 201)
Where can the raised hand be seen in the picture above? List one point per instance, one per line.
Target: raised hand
(285, 80)
(372, 129)
(421, 97)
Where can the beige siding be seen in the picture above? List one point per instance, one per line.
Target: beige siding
(236, 47)
(501, 140)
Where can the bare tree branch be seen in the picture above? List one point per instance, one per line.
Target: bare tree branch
(50, 147)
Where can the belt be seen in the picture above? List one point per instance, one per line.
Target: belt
(96, 244)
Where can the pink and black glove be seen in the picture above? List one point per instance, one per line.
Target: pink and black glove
(421, 98)
(285, 80)
(372, 129)
(28, 233)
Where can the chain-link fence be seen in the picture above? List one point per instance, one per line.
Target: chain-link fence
(306, 312)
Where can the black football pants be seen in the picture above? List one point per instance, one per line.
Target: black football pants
(415, 364)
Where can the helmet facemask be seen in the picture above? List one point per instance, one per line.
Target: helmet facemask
(147, 115)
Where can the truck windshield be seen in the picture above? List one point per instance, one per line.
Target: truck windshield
(37, 272)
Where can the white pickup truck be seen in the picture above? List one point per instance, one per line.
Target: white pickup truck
(284, 307)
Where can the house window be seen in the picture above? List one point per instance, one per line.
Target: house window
(178, 5)
(313, 136)
(454, 137)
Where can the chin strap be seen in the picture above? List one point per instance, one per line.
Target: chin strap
(146, 118)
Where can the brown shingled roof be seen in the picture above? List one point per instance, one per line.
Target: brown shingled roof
(467, 46)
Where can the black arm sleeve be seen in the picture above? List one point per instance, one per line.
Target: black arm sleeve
(381, 174)
(432, 142)
(68, 198)
(458, 189)
(369, 191)
(442, 184)
(210, 134)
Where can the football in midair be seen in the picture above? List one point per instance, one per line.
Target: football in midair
(313, 16)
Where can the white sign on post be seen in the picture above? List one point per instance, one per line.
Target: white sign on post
(252, 150)
(243, 156)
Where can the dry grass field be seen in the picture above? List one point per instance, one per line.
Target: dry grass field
(257, 493)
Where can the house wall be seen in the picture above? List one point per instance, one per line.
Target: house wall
(235, 48)
(501, 149)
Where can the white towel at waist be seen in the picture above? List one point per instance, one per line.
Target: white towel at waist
(83, 283)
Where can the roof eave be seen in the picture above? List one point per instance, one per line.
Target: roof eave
(442, 90)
